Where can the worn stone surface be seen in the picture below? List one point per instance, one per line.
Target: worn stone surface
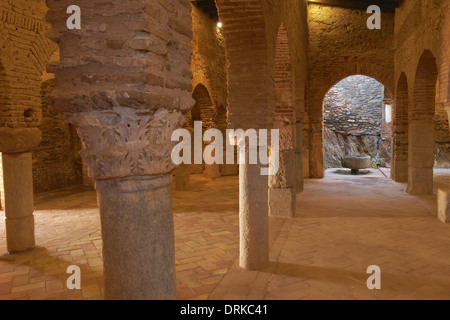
(138, 238)
(18, 201)
(253, 217)
(354, 106)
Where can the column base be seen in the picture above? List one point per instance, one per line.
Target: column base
(282, 202)
(20, 234)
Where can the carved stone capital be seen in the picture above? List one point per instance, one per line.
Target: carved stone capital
(125, 142)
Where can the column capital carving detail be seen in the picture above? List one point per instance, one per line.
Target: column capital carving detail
(125, 142)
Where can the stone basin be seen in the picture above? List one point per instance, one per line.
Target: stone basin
(356, 163)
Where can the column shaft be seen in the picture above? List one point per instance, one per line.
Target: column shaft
(254, 220)
(18, 184)
(138, 238)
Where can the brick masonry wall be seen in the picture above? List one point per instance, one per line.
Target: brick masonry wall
(421, 26)
(208, 66)
(24, 51)
(341, 45)
(56, 161)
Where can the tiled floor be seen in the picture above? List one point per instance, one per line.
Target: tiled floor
(343, 225)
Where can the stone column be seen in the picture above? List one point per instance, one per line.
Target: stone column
(253, 216)
(133, 176)
(282, 186)
(138, 238)
(16, 146)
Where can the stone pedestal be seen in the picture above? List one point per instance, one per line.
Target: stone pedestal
(183, 177)
(138, 238)
(253, 217)
(18, 181)
(282, 187)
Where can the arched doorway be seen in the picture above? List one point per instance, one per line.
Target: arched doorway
(357, 121)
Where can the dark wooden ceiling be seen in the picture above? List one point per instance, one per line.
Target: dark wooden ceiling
(385, 5)
(208, 6)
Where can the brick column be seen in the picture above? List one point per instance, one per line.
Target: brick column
(16, 146)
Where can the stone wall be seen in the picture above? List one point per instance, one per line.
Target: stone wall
(355, 107)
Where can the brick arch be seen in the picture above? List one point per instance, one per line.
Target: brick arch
(376, 72)
(24, 62)
(399, 170)
(203, 109)
(421, 126)
(250, 84)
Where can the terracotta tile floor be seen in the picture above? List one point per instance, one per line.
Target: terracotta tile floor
(343, 225)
